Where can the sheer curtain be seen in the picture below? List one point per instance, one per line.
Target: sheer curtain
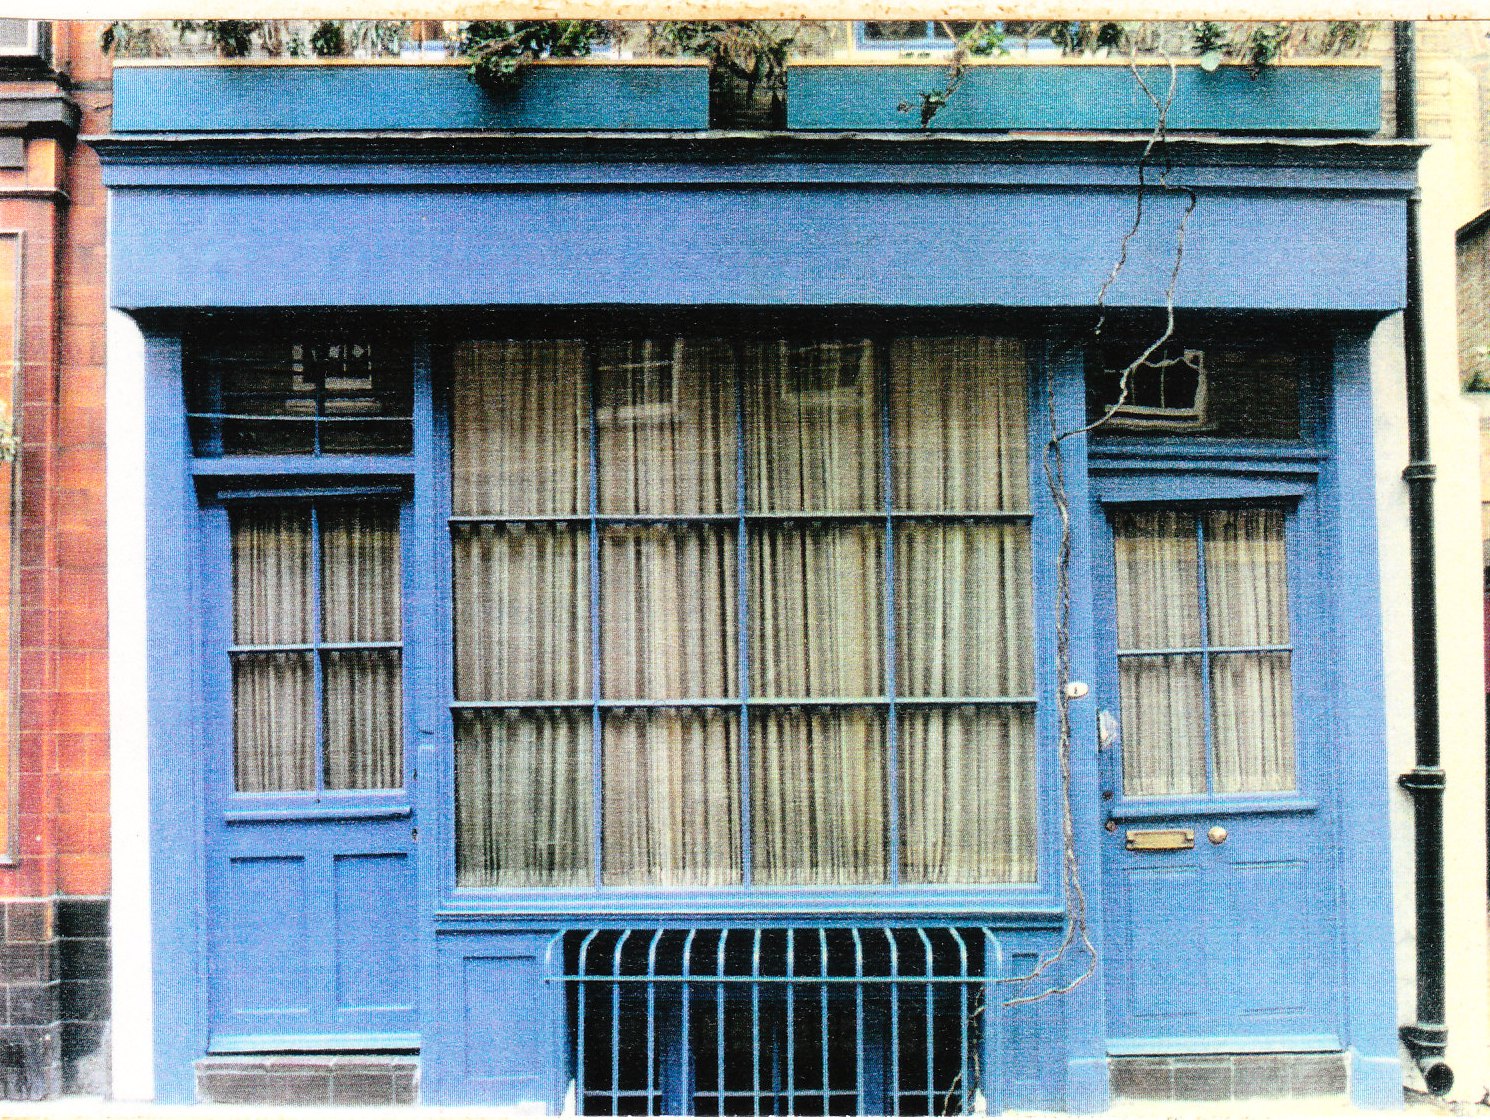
(816, 605)
(1158, 607)
(665, 434)
(519, 433)
(963, 611)
(274, 746)
(363, 689)
(1251, 693)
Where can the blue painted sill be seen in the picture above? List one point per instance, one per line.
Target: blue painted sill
(1311, 99)
(391, 96)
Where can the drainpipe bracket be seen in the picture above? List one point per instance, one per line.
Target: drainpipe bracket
(1423, 779)
(1420, 472)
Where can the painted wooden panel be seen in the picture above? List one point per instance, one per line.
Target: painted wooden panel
(1282, 99)
(268, 957)
(1272, 946)
(288, 97)
(1167, 930)
(375, 924)
(849, 245)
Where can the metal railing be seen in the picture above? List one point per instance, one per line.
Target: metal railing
(801, 1021)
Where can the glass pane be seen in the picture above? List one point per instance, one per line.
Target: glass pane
(519, 429)
(957, 415)
(668, 610)
(1252, 701)
(968, 795)
(812, 427)
(1158, 580)
(665, 426)
(1246, 578)
(271, 575)
(360, 589)
(672, 798)
(522, 799)
(818, 786)
(522, 612)
(274, 742)
(962, 598)
(363, 719)
(1163, 725)
(261, 391)
(816, 611)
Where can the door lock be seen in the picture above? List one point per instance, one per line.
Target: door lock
(1217, 835)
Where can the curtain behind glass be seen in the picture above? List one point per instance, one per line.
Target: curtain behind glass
(363, 689)
(963, 609)
(1158, 607)
(274, 746)
(1251, 693)
(519, 447)
(518, 429)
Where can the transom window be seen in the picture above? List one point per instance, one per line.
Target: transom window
(1204, 659)
(742, 613)
(317, 646)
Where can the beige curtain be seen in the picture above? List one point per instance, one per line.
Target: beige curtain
(363, 689)
(274, 746)
(522, 799)
(1251, 693)
(519, 434)
(1158, 607)
(665, 426)
(963, 610)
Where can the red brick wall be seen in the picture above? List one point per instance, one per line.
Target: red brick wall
(63, 772)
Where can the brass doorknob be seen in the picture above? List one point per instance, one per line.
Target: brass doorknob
(1217, 835)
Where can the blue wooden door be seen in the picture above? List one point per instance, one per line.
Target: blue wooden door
(1219, 889)
(310, 831)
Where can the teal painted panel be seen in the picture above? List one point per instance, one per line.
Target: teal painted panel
(383, 97)
(1291, 100)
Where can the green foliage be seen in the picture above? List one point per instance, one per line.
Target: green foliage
(1085, 36)
(231, 38)
(979, 40)
(328, 40)
(497, 49)
(1207, 37)
(1265, 46)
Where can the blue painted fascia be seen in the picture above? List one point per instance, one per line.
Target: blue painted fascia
(1013, 95)
(871, 228)
(320, 96)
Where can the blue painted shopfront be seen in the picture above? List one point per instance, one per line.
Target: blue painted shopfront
(332, 918)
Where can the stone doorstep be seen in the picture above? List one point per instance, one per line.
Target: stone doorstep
(308, 1079)
(1228, 1077)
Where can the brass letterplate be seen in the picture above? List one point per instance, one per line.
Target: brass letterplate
(1160, 839)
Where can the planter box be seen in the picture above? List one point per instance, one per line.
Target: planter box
(597, 95)
(1080, 96)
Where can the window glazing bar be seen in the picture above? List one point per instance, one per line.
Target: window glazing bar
(892, 718)
(309, 647)
(318, 631)
(606, 704)
(1205, 658)
(775, 516)
(742, 636)
(597, 768)
(1202, 650)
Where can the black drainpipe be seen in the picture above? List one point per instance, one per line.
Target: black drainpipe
(1427, 1038)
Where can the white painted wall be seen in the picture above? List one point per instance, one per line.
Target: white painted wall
(1454, 422)
(129, 796)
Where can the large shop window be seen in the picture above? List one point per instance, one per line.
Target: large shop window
(742, 613)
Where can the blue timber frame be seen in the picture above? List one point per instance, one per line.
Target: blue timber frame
(287, 229)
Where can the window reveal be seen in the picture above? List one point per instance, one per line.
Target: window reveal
(317, 654)
(1204, 658)
(773, 630)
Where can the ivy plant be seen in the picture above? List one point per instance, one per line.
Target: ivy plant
(498, 49)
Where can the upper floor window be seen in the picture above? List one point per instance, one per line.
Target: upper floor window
(308, 392)
(735, 613)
